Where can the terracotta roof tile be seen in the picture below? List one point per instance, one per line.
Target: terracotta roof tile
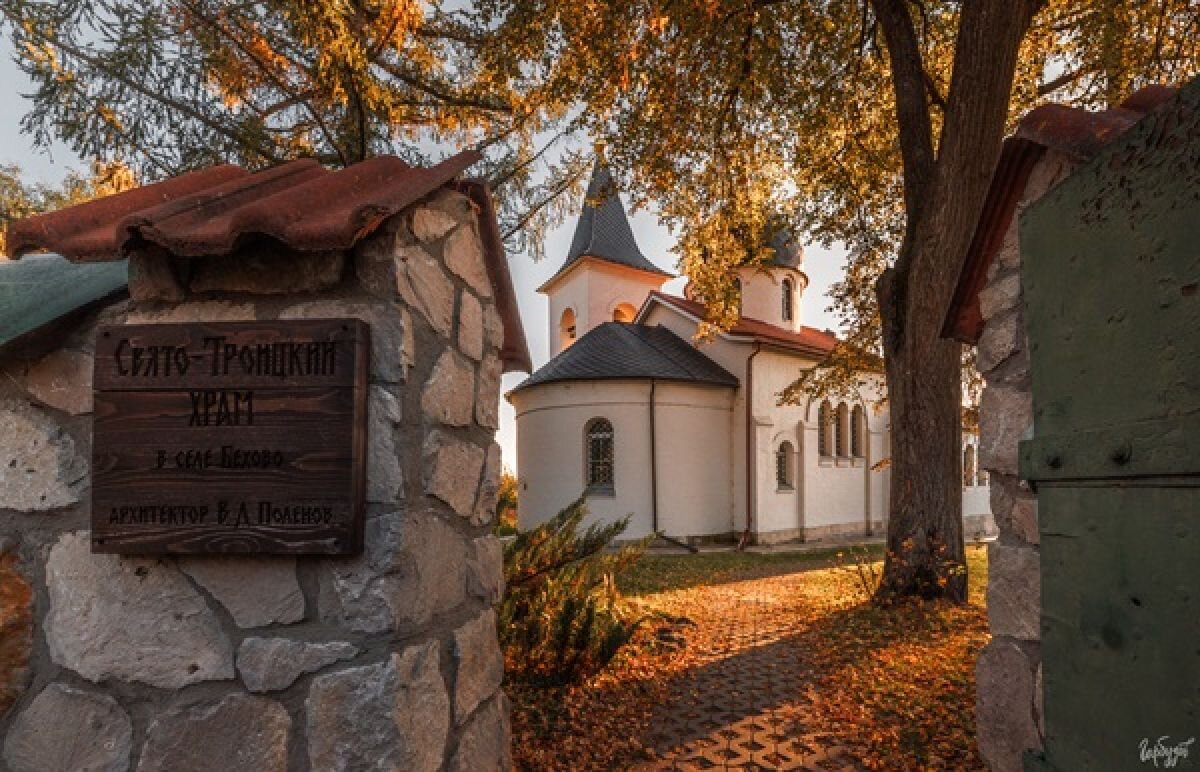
(809, 340)
(301, 205)
(1079, 134)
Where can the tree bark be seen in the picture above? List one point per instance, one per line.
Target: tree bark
(944, 195)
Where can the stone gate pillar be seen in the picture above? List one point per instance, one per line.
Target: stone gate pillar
(383, 660)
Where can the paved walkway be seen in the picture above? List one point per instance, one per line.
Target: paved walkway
(742, 705)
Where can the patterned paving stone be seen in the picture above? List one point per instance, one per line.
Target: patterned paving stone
(742, 707)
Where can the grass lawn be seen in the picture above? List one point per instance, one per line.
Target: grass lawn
(894, 684)
(663, 573)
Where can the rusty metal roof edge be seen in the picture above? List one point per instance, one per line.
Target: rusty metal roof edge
(1075, 132)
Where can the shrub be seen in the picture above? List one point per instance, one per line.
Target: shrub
(506, 504)
(562, 618)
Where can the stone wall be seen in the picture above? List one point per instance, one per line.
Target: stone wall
(1008, 675)
(388, 660)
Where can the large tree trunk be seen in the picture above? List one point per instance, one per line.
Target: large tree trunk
(943, 198)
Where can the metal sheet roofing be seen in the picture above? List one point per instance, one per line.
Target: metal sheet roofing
(615, 350)
(300, 205)
(43, 288)
(809, 340)
(1079, 134)
(603, 230)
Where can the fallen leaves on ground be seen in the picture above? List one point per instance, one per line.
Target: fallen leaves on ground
(893, 685)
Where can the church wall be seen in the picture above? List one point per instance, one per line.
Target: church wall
(695, 485)
(692, 433)
(551, 421)
(731, 356)
(593, 290)
(762, 295)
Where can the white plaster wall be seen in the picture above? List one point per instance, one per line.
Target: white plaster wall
(593, 289)
(693, 425)
(695, 465)
(762, 295)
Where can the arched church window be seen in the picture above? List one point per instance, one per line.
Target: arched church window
(968, 466)
(788, 299)
(824, 428)
(858, 430)
(737, 288)
(785, 463)
(841, 428)
(625, 312)
(599, 452)
(566, 328)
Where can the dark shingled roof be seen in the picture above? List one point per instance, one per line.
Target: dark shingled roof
(39, 290)
(789, 253)
(615, 350)
(603, 230)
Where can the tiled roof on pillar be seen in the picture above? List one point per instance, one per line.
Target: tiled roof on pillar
(1077, 134)
(603, 230)
(300, 205)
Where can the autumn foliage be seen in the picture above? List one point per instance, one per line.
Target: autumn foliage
(891, 684)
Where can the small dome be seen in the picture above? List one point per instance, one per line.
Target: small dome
(789, 253)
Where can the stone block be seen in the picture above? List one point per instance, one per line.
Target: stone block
(1014, 591)
(478, 664)
(414, 568)
(130, 619)
(197, 311)
(470, 326)
(392, 715)
(485, 569)
(238, 734)
(385, 477)
(489, 488)
(487, 404)
(463, 252)
(40, 467)
(1002, 293)
(452, 468)
(1002, 337)
(493, 327)
(1015, 508)
(430, 224)
(268, 273)
(273, 664)
(16, 630)
(152, 278)
(63, 380)
(68, 729)
(256, 591)
(1004, 713)
(424, 285)
(390, 336)
(449, 394)
(1005, 418)
(484, 745)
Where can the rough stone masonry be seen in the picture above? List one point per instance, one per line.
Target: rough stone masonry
(387, 660)
(1008, 674)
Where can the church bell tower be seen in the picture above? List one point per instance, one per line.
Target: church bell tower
(605, 277)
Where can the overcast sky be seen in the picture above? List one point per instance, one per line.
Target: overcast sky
(822, 266)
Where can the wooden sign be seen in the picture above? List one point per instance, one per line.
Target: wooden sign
(230, 437)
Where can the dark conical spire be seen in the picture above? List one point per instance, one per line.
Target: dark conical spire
(603, 230)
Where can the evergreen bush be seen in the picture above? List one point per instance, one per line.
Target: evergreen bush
(562, 618)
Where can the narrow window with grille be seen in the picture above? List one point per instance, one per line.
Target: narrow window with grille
(599, 449)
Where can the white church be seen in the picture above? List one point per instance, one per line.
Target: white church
(690, 439)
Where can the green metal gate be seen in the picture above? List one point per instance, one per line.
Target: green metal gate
(1111, 270)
